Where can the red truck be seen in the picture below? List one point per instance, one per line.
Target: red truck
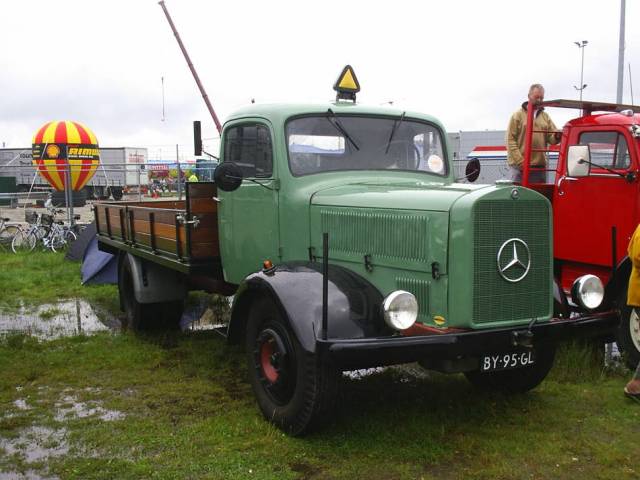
(595, 193)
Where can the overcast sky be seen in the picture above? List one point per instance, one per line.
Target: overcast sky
(469, 63)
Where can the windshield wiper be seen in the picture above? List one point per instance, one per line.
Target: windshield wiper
(338, 126)
(396, 124)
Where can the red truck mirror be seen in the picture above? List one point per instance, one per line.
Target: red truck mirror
(578, 161)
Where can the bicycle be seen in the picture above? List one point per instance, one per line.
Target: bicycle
(7, 232)
(60, 235)
(38, 228)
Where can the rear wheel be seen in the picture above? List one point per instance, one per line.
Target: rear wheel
(294, 390)
(628, 334)
(23, 242)
(518, 380)
(141, 317)
(62, 240)
(6, 235)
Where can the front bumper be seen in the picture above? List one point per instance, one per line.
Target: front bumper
(453, 347)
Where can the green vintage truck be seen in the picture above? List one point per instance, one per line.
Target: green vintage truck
(347, 243)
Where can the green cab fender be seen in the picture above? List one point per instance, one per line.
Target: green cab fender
(354, 304)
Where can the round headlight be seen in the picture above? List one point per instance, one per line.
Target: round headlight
(400, 309)
(588, 292)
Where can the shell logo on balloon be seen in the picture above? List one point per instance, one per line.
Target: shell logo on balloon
(55, 143)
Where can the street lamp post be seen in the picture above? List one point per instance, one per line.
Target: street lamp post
(581, 46)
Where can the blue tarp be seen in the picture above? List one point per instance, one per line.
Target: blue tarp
(98, 267)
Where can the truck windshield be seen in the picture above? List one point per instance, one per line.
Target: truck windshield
(373, 143)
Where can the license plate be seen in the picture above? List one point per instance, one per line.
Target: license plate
(507, 361)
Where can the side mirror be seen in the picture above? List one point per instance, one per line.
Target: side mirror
(228, 176)
(472, 170)
(197, 139)
(578, 161)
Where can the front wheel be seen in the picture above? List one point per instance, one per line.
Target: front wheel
(23, 242)
(628, 334)
(518, 380)
(294, 390)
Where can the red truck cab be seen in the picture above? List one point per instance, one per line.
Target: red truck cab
(595, 195)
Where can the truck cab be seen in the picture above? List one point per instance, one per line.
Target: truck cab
(347, 243)
(595, 190)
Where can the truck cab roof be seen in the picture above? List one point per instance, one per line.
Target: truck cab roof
(605, 119)
(278, 113)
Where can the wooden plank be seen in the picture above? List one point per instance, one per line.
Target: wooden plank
(207, 220)
(161, 216)
(201, 190)
(204, 235)
(204, 250)
(159, 233)
(202, 205)
(101, 224)
(162, 204)
(163, 244)
(165, 204)
(160, 229)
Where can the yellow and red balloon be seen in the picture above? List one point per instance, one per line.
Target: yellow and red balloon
(55, 143)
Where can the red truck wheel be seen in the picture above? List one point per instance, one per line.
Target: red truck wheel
(292, 388)
(628, 334)
(518, 380)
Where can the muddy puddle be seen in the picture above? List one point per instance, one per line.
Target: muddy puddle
(60, 319)
(76, 317)
(34, 446)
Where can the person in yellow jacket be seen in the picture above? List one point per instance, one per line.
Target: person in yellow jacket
(632, 389)
(516, 136)
(193, 177)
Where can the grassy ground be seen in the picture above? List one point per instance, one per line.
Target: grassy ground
(121, 406)
(29, 279)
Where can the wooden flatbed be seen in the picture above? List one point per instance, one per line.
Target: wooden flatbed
(181, 235)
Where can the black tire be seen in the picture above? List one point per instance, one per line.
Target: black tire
(518, 380)
(628, 332)
(145, 317)
(116, 193)
(294, 390)
(78, 199)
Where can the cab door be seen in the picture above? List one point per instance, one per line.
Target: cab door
(248, 217)
(585, 209)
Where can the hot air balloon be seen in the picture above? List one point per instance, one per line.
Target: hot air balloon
(55, 143)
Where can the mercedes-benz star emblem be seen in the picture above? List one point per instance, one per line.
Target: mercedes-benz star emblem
(514, 260)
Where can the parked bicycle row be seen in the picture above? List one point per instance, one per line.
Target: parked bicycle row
(40, 228)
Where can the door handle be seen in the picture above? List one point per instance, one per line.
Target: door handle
(562, 179)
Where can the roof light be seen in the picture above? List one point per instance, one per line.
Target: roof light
(347, 85)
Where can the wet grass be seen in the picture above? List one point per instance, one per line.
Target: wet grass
(189, 413)
(36, 278)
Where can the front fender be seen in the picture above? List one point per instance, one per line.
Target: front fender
(354, 304)
(560, 302)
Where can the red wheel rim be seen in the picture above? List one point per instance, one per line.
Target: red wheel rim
(267, 349)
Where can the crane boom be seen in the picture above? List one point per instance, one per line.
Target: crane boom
(192, 68)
